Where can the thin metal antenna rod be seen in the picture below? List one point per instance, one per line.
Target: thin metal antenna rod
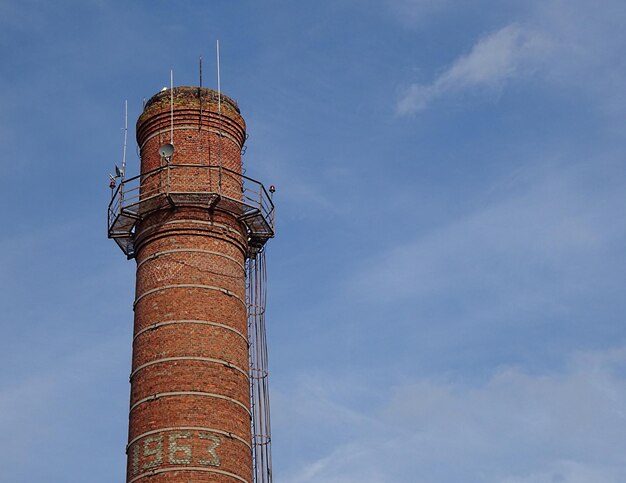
(200, 72)
(171, 106)
(219, 114)
(219, 85)
(200, 96)
(125, 137)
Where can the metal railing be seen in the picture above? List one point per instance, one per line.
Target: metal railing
(191, 184)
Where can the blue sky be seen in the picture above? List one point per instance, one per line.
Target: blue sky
(446, 293)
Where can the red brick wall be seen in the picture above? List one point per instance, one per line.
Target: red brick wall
(190, 406)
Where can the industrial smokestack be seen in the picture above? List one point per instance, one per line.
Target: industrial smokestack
(197, 229)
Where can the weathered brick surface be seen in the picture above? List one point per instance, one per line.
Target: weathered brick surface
(180, 339)
(175, 449)
(190, 406)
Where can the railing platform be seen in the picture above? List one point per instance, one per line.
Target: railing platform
(137, 197)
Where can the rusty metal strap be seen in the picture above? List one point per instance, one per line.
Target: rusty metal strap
(188, 428)
(196, 222)
(190, 250)
(160, 395)
(184, 127)
(187, 468)
(156, 325)
(190, 358)
(191, 285)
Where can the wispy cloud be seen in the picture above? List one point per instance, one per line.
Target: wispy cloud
(531, 248)
(515, 427)
(569, 472)
(570, 45)
(508, 53)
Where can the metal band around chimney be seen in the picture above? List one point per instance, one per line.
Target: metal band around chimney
(190, 358)
(188, 428)
(191, 220)
(191, 285)
(187, 468)
(189, 250)
(225, 134)
(161, 395)
(156, 325)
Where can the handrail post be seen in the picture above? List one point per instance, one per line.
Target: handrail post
(121, 191)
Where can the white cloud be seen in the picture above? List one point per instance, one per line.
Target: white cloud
(515, 427)
(508, 53)
(353, 456)
(536, 248)
(573, 46)
(569, 472)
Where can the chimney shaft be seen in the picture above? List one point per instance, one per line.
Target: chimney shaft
(190, 400)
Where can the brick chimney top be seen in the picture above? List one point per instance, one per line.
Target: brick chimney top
(184, 94)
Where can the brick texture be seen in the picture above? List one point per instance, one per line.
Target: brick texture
(190, 405)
